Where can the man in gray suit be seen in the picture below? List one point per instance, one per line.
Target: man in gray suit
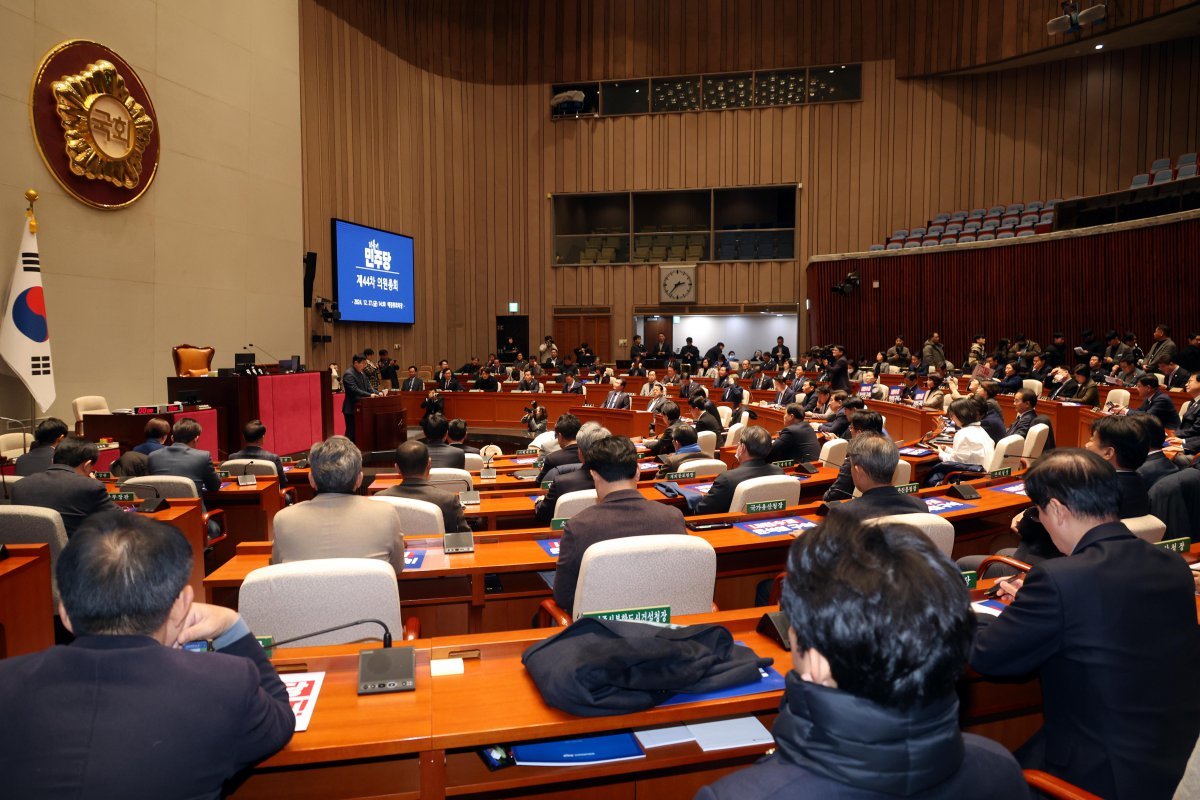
(337, 523)
(437, 428)
(67, 486)
(412, 461)
(183, 459)
(751, 454)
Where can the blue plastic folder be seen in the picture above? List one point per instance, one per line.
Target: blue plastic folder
(771, 681)
(587, 750)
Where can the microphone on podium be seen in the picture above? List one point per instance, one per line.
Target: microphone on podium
(261, 350)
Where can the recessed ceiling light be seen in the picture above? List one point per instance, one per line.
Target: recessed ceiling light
(1100, 46)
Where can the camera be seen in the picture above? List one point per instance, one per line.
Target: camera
(529, 409)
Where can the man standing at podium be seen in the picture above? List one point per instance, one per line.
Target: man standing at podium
(354, 386)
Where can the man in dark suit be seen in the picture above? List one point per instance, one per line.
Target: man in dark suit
(48, 433)
(529, 383)
(570, 477)
(731, 393)
(689, 354)
(157, 430)
(762, 381)
(1187, 434)
(661, 349)
(873, 458)
(751, 454)
(412, 461)
(412, 383)
(447, 382)
(571, 385)
(1174, 376)
(122, 712)
(184, 460)
(869, 709)
(797, 441)
(566, 428)
(1157, 465)
(784, 394)
(686, 449)
(1025, 403)
(838, 423)
(456, 436)
(618, 397)
(839, 369)
(355, 386)
(67, 486)
(1156, 402)
(714, 353)
(780, 351)
(253, 433)
(666, 442)
(1116, 724)
(861, 421)
(620, 511)
(436, 429)
(1121, 442)
(486, 382)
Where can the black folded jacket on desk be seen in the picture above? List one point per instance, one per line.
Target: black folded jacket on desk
(598, 667)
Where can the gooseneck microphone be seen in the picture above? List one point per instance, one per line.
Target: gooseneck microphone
(387, 634)
(262, 350)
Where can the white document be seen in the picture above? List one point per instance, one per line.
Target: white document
(730, 733)
(302, 689)
(445, 666)
(661, 737)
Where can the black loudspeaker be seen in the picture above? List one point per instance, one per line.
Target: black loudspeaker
(963, 492)
(390, 669)
(774, 626)
(310, 274)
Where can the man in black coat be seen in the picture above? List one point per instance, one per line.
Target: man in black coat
(784, 394)
(1156, 466)
(566, 428)
(751, 454)
(620, 511)
(1025, 403)
(67, 486)
(1121, 442)
(355, 386)
(436, 429)
(122, 712)
(839, 377)
(797, 441)
(873, 458)
(46, 436)
(1187, 434)
(570, 477)
(253, 433)
(1116, 723)
(1156, 402)
(184, 460)
(413, 464)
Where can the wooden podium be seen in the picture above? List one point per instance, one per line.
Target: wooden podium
(380, 423)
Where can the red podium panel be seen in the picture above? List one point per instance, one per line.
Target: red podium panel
(290, 407)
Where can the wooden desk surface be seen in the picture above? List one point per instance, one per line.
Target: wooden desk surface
(26, 607)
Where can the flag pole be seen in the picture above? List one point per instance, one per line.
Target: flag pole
(31, 195)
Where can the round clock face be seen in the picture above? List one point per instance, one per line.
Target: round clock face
(677, 284)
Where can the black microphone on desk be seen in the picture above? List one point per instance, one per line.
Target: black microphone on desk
(156, 503)
(387, 633)
(379, 671)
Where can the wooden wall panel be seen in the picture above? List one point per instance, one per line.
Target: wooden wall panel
(432, 119)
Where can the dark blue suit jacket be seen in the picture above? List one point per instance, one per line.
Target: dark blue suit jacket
(882, 501)
(186, 462)
(38, 459)
(1160, 405)
(797, 442)
(124, 716)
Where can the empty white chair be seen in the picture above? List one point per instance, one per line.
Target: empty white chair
(768, 487)
(939, 530)
(726, 414)
(286, 600)
(572, 503)
(13, 445)
(249, 466)
(35, 525)
(1035, 441)
(1007, 453)
(490, 451)
(473, 462)
(545, 442)
(833, 452)
(735, 434)
(451, 479)
(1033, 386)
(417, 517)
(88, 404)
(671, 570)
(168, 486)
(1119, 398)
(1148, 527)
(704, 467)
(1183, 409)
(708, 442)
(902, 473)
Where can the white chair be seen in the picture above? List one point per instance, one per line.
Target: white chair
(1033, 386)
(1183, 409)
(6, 484)
(250, 466)
(168, 486)
(673, 570)
(417, 517)
(704, 467)
(14, 445)
(88, 404)
(735, 434)
(451, 479)
(726, 414)
(1162, 379)
(286, 600)
(708, 442)
(902, 473)
(1007, 454)
(35, 525)
(1119, 398)
(1148, 527)
(768, 487)
(833, 452)
(939, 530)
(546, 442)
(1035, 441)
(490, 451)
(745, 418)
(572, 503)
(473, 462)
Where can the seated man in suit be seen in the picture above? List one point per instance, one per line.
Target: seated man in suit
(157, 430)
(687, 449)
(437, 429)
(838, 423)
(1121, 442)
(529, 383)
(1082, 389)
(122, 711)
(1187, 434)
(456, 436)
(657, 398)
(412, 382)
(784, 395)
(1174, 376)
(448, 383)
(666, 442)
(337, 523)
(762, 381)
(751, 454)
(651, 379)
(1025, 402)
(708, 417)
(1128, 372)
(1155, 401)
(620, 511)
(571, 384)
(252, 434)
(48, 433)
(412, 462)
(670, 376)
(570, 477)
(485, 382)
(861, 421)
(1115, 723)
(1157, 465)
(183, 459)
(618, 397)
(870, 708)
(873, 458)
(67, 486)
(796, 441)
(566, 428)
(731, 393)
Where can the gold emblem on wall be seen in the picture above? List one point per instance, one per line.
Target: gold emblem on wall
(94, 124)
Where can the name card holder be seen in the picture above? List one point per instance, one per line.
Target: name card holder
(1181, 545)
(908, 488)
(657, 614)
(971, 577)
(679, 476)
(765, 506)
